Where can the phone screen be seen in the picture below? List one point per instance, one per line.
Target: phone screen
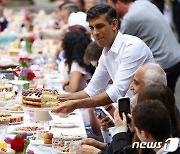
(98, 110)
(104, 114)
(124, 106)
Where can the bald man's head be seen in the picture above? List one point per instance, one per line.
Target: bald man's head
(153, 73)
(146, 75)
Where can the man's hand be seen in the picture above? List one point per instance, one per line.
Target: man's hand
(117, 119)
(66, 107)
(87, 149)
(94, 143)
(63, 97)
(131, 125)
(105, 122)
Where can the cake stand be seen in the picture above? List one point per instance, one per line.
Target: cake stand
(40, 113)
(19, 84)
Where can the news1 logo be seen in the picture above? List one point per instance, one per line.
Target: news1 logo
(171, 144)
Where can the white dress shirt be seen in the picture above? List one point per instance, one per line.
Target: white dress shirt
(120, 63)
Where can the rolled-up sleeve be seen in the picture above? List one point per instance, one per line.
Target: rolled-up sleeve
(134, 56)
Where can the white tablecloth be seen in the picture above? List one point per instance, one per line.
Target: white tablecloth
(77, 129)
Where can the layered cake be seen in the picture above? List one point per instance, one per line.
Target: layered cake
(40, 97)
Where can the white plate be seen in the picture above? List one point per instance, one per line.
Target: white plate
(18, 82)
(16, 123)
(10, 109)
(28, 132)
(73, 137)
(33, 108)
(39, 142)
(20, 132)
(15, 111)
(65, 125)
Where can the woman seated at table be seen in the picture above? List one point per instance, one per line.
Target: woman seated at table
(74, 45)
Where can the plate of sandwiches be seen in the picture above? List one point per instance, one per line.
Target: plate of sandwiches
(16, 119)
(12, 119)
(28, 129)
(15, 109)
(39, 98)
(72, 137)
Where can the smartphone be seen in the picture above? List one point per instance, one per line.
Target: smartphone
(104, 113)
(99, 110)
(124, 106)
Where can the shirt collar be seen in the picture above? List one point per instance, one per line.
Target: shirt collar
(116, 45)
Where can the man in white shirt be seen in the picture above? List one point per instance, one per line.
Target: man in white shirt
(143, 19)
(121, 57)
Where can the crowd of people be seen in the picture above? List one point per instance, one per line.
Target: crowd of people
(109, 51)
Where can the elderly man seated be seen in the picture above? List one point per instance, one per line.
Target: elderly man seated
(147, 74)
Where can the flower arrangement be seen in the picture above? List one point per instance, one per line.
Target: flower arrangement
(19, 144)
(25, 74)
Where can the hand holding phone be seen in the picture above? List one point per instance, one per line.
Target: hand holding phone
(124, 106)
(101, 112)
(105, 117)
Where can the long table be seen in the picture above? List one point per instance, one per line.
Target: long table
(61, 127)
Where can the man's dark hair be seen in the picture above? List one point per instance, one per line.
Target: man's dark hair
(153, 117)
(102, 9)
